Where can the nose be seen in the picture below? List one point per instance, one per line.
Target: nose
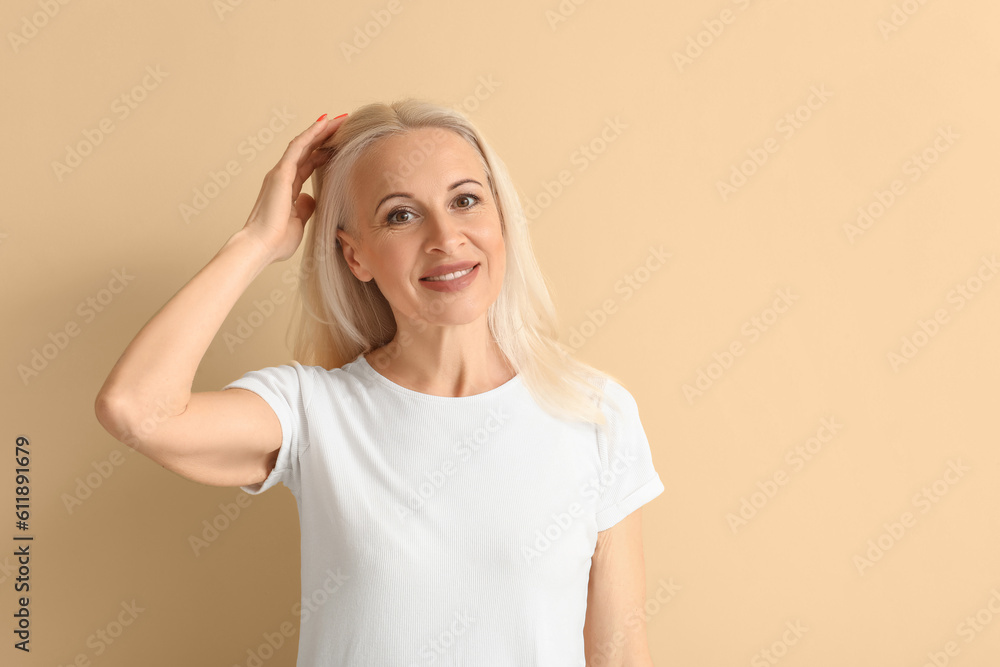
(443, 232)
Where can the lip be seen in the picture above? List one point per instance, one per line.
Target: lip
(454, 285)
(448, 268)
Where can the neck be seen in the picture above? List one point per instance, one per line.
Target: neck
(454, 360)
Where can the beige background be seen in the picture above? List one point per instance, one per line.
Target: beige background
(895, 78)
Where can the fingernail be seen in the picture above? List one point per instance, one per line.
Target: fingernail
(340, 116)
(321, 118)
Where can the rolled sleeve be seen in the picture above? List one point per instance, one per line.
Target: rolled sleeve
(286, 389)
(628, 479)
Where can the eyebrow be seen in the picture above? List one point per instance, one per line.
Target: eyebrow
(407, 194)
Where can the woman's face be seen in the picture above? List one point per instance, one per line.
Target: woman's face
(421, 201)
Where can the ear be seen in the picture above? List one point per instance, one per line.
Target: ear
(353, 257)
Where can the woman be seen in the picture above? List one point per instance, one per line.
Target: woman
(468, 493)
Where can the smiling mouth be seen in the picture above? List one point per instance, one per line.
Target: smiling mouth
(451, 276)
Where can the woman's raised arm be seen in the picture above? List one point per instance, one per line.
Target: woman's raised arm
(223, 438)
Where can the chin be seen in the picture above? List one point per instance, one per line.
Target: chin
(450, 313)
(456, 318)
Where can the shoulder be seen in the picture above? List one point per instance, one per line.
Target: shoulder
(346, 383)
(350, 378)
(617, 401)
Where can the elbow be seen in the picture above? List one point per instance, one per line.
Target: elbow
(116, 416)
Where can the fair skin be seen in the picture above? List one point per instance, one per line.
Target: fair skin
(614, 632)
(449, 350)
(231, 437)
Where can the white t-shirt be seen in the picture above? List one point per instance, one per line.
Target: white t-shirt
(441, 530)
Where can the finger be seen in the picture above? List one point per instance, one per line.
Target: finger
(308, 166)
(309, 157)
(304, 206)
(310, 138)
(318, 156)
(305, 169)
(312, 155)
(309, 163)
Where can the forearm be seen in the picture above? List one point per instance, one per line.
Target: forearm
(155, 373)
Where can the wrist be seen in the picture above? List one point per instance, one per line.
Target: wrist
(256, 249)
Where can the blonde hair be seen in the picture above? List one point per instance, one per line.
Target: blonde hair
(341, 317)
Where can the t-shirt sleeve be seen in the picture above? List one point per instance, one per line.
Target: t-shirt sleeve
(628, 479)
(287, 390)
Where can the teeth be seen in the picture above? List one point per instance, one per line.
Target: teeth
(451, 276)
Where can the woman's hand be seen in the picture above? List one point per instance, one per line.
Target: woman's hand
(279, 216)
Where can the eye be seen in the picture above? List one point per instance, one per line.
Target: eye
(467, 195)
(392, 214)
(391, 219)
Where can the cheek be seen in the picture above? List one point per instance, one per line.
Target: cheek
(498, 253)
(396, 259)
